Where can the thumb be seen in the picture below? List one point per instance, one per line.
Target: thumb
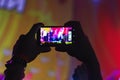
(34, 29)
(61, 47)
(43, 49)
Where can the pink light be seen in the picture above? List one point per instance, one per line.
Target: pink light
(28, 76)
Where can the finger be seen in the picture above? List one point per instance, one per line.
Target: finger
(76, 25)
(61, 47)
(43, 49)
(34, 29)
(22, 36)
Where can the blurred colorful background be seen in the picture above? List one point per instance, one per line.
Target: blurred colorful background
(100, 20)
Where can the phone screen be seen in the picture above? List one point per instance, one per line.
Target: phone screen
(55, 34)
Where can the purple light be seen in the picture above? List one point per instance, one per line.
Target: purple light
(115, 75)
(19, 5)
(44, 59)
(7, 52)
(51, 73)
(34, 70)
(60, 63)
(96, 2)
(1, 77)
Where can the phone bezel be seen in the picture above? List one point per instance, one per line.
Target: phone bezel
(53, 44)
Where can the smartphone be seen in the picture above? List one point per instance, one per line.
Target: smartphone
(55, 35)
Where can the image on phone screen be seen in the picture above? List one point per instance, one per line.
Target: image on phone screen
(55, 35)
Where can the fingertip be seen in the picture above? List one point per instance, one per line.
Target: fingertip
(22, 36)
(60, 48)
(72, 23)
(35, 28)
(38, 24)
(44, 49)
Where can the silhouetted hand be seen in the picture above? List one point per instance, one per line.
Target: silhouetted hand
(25, 50)
(82, 50)
(26, 46)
